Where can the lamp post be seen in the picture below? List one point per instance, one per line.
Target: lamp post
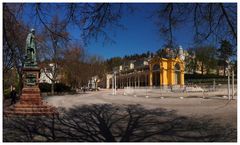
(52, 77)
(114, 82)
(232, 83)
(228, 73)
(95, 81)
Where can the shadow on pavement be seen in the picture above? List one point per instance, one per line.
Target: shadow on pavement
(115, 123)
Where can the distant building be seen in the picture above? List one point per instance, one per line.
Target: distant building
(46, 75)
(93, 82)
(156, 71)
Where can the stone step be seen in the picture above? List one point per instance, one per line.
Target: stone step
(35, 89)
(31, 95)
(19, 109)
(31, 92)
(31, 99)
(31, 103)
(31, 106)
(33, 109)
(9, 113)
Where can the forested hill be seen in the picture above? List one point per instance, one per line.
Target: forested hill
(117, 61)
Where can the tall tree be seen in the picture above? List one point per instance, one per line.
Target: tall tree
(72, 66)
(91, 18)
(14, 34)
(113, 62)
(190, 61)
(206, 57)
(224, 53)
(52, 45)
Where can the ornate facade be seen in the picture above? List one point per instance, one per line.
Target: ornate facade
(153, 72)
(166, 72)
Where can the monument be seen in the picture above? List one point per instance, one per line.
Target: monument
(31, 102)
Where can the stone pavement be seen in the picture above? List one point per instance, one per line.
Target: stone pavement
(222, 110)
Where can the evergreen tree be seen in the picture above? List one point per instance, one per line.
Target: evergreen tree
(224, 53)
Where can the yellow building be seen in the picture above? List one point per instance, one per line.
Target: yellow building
(153, 72)
(166, 72)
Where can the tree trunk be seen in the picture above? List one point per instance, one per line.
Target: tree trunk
(224, 71)
(20, 83)
(20, 80)
(195, 67)
(207, 71)
(52, 87)
(202, 68)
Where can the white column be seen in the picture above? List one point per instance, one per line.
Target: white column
(113, 84)
(115, 92)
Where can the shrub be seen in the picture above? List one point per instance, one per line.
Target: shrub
(6, 93)
(206, 76)
(58, 87)
(45, 87)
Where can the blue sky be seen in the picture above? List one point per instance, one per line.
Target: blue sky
(140, 34)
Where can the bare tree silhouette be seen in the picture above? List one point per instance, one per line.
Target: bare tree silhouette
(116, 123)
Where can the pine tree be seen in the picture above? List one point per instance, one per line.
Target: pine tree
(224, 53)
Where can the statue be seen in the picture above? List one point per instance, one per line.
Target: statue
(181, 53)
(167, 53)
(31, 101)
(30, 50)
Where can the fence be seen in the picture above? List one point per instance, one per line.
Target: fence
(177, 91)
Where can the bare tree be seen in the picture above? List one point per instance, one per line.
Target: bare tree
(91, 18)
(14, 32)
(52, 45)
(209, 20)
(73, 66)
(80, 67)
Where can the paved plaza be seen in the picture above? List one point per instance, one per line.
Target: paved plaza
(221, 109)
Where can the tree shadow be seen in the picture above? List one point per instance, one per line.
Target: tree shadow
(115, 123)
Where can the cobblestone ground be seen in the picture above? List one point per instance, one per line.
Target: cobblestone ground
(220, 108)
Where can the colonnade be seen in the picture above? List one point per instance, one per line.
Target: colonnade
(160, 72)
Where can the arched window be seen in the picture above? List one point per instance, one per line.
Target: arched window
(156, 75)
(177, 74)
(110, 83)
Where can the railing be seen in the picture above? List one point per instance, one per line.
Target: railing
(178, 92)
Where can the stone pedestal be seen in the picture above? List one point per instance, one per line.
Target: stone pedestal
(31, 102)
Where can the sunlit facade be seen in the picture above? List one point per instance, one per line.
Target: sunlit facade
(153, 72)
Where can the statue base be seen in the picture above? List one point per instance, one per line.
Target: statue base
(31, 102)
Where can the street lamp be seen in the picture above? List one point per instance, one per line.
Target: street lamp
(228, 73)
(114, 82)
(95, 83)
(52, 77)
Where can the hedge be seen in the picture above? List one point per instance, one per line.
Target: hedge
(58, 87)
(206, 76)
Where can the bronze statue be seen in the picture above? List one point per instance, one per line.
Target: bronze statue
(30, 50)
